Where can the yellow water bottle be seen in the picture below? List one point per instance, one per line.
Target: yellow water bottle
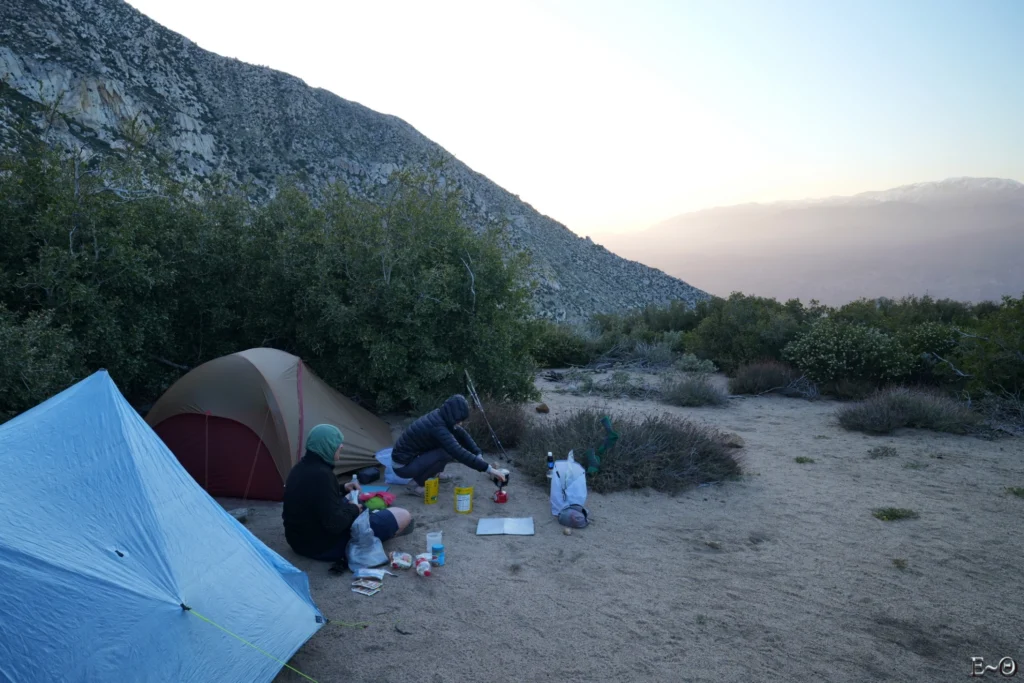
(430, 487)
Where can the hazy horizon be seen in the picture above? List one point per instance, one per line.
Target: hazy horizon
(612, 119)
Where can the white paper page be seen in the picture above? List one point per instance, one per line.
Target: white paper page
(514, 526)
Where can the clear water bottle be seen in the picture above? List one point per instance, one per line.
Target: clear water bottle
(353, 496)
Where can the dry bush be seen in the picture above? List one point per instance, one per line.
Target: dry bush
(666, 453)
(894, 514)
(507, 419)
(762, 377)
(895, 408)
(690, 363)
(620, 385)
(652, 355)
(692, 391)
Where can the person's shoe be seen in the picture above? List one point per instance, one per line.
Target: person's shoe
(444, 476)
(415, 490)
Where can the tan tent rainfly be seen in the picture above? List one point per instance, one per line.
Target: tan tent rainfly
(238, 423)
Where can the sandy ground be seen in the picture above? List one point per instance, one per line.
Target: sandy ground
(781, 576)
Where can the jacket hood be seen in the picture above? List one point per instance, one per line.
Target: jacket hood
(455, 409)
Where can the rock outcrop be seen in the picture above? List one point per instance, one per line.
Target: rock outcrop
(99, 74)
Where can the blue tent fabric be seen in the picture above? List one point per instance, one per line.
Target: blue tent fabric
(103, 538)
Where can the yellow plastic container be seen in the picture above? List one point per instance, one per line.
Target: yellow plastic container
(430, 487)
(463, 499)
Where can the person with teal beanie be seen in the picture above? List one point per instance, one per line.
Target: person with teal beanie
(317, 516)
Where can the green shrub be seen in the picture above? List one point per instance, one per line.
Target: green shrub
(993, 352)
(743, 329)
(762, 377)
(692, 391)
(834, 350)
(662, 452)
(389, 298)
(558, 346)
(893, 409)
(803, 460)
(37, 360)
(898, 314)
(882, 452)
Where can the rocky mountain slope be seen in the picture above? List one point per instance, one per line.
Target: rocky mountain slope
(109, 72)
(959, 238)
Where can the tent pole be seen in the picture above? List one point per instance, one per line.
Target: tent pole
(256, 455)
(206, 472)
(480, 406)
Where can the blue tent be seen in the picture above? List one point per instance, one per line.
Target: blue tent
(113, 561)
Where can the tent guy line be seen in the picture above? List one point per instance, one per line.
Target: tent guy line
(189, 610)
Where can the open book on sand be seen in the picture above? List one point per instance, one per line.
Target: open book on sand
(512, 526)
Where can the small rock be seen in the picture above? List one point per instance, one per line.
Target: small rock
(567, 531)
(543, 408)
(734, 441)
(713, 544)
(241, 514)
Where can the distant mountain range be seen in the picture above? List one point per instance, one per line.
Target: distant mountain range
(961, 238)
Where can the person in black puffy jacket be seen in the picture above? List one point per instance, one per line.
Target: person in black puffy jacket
(434, 440)
(316, 514)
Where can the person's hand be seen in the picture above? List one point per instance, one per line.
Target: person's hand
(353, 486)
(495, 474)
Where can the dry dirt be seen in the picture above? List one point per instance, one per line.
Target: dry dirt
(782, 576)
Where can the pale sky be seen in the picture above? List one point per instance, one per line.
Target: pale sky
(613, 116)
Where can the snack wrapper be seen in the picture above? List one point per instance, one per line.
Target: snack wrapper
(401, 560)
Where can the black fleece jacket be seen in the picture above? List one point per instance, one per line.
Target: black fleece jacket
(316, 515)
(437, 429)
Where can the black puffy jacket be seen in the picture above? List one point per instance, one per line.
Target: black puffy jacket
(316, 515)
(437, 429)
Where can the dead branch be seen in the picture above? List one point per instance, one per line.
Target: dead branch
(127, 195)
(177, 366)
(472, 281)
(954, 368)
(800, 386)
(1018, 354)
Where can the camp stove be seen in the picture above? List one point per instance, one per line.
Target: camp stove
(501, 495)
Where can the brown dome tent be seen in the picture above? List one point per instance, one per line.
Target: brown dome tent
(238, 423)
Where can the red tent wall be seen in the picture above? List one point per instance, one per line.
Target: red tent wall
(220, 453)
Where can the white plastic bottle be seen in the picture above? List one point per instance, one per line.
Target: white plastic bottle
(422, 565)
(353, 496)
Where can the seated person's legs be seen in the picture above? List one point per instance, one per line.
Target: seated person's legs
(402, 516)
(424, 466)
(386, 524)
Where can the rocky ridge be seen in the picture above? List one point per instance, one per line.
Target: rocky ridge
(110, 72)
